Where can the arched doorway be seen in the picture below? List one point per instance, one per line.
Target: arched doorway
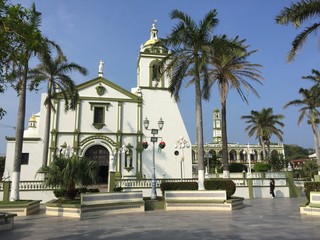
(101, 155)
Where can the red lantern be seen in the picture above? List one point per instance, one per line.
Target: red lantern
(145, 145)
(162, 145)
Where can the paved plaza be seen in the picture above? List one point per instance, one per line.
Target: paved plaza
(260, 219)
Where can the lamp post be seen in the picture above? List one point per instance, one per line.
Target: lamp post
(153, 139)
(181, 144)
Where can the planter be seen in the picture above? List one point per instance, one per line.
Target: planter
(98, 204)
(6, 221)
(21, 208)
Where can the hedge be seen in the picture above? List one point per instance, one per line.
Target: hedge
(311, 187)
(211, 184)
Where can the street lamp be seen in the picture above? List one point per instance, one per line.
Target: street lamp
(154, 139)
(181, 144)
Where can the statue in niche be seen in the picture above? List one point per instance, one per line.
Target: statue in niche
(112, 163)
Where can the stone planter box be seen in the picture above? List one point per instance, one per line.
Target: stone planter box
(6, 221)
(98, 204)
(313, 207)
(21, 209)
(201, 200)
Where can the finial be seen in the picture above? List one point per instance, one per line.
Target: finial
(100, 73)
(154, 23)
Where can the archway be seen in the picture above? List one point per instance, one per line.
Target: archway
(101, 155)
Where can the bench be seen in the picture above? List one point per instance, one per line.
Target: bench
(313, 208)
(6, 221)
(97, 204)
(200, 200)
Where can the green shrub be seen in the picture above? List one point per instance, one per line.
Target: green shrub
(237, 167)
(261, 167)
(221, 184)
(212, 184)
(179, 186)
(59, 193)
(93, 190)
(72, 193)
(82, 190)
(118, 189)
(311, 187)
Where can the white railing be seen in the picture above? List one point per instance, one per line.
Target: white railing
(146, 183)
(239, 182)
(31, 186)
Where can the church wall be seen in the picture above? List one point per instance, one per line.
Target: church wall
(65, 120)
(28, 171)
(173, 129)
(130, 118)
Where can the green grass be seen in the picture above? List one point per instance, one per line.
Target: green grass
(67, 201)
(19, 202)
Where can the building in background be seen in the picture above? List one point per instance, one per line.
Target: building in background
(238, 153)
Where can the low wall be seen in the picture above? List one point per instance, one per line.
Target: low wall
(98, 204)
(258, 188)
(246, 188)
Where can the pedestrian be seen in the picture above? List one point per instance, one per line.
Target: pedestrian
(272, 187)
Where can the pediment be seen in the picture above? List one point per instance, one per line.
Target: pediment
(103, 88)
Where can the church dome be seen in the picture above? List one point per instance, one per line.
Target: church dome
(153, 36)
(150, 42)
(149, 45)
(33, 118)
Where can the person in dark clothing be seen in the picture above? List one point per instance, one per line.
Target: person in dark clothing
(272, 187)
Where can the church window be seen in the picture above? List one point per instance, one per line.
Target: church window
(99, 110)
(98, 115)
(25, 159)
(155, 72)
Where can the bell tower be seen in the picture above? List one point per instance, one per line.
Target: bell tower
(149, 69)
(217, 136)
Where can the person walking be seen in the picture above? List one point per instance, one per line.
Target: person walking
(272, 187)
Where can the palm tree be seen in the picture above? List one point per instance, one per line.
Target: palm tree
(315, 77)
(297, 14)
(31, 42)
(190, 42)
(69, 172)
(315, 89)
(230, 69)
(309, 103)
(310, 168)
(263, 125)
(55, 72)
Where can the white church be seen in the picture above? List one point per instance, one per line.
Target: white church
(110, 124)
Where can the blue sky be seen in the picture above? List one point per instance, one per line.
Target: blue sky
(90, 30)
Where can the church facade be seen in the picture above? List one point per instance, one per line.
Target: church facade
(120, 129)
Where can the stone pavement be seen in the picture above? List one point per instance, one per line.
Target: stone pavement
(260, 219)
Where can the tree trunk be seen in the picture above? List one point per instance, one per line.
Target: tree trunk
(225, 154)
(316, 143)
(14, 195)
(263, 149)
(199, 127)
(46, 136)
(268, 150)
